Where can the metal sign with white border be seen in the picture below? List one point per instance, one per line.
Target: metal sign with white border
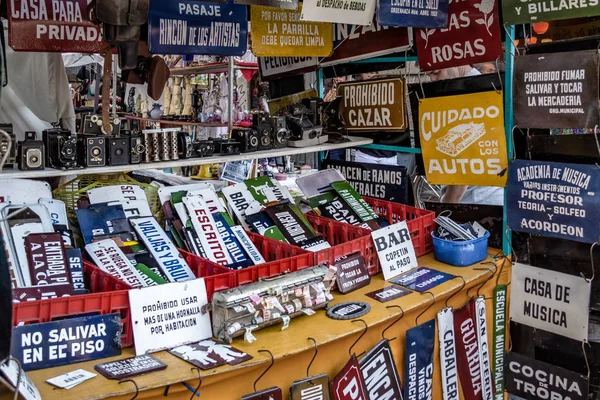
(164, 193)
(165, 253)
(271, 68)
(109, 257)
(169, 315)
(551, 301)
(448, 364)
(380, 374)
(394, 249)
(26, 387)
(484, 348)
(358, 12)
(247, 244)
(116, 193)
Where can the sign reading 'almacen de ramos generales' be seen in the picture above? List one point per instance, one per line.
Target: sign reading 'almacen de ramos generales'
(525, 11)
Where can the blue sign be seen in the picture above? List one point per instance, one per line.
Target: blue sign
(413, 13)
(554, 199)
(197, 27)
(98, 220)
(69, 341)
(235, 250)
(422, 279)
(418, 362)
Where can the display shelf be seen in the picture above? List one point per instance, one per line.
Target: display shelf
(288, 151)
(291, 348)
(399, 149)
(212, 68)
(177, 123)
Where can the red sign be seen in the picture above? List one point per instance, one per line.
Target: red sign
(349, 383)
(47, 259)
(52, 26)
(467, 352)
(42, 292)
(472, 36)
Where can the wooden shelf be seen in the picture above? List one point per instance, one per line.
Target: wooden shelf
(176, 123)
(213, 68)
(288, 151)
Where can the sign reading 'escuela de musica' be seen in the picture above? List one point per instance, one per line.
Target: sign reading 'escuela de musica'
(550, 91)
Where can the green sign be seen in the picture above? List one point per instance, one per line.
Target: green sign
(499, 340)
(525, 11)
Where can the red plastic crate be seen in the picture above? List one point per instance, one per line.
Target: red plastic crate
(216, 277)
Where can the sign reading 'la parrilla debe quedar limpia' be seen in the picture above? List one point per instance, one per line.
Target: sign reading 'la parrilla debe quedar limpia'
(551, 301)
(554, 199)
(552, 92)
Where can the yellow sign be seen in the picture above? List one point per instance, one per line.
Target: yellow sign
(463, 139)
(280, 33)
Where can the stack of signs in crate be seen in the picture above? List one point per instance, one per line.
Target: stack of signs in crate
(558, 200)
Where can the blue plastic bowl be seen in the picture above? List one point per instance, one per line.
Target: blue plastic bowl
(460, 254)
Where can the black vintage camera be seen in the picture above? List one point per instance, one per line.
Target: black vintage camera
(248, 139)
(30, 153)
(91, 150)
(61, 149)
(12, 154)
(260, 122)
(136, 147)
(185, 145)
(227, 147)
(301, 125)
(204, 148)
(118, 150)
(280, 131)
(314, 106)
(92, 125)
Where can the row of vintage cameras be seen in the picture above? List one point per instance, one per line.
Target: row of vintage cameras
(61, 150)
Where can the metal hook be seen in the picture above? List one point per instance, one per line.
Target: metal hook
(425, 310)
(313, 358)
(493, 271)
(497, 91)
(592, 263)
(512, 249)
(509, 36)
(7, 361)
(587, 364)
(266, 370)
(420, 84)
(393, 323)
(499, 76)
(137, 389)
(199, 383)
(464, 283)
(504, 259)
(360, 337)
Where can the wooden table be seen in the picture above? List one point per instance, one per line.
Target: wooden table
(291, 348)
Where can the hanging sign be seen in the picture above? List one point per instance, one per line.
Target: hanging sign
(311, 388)
(499, 333)
(348, 384)
(280, 33)
(423, 14)
(376, 105)
(359, 12)
(418, 362)
(463, 140)
(445, 320)
(271, 68)
(526, 11)
(352, 273)
(169, 315)
(190, 27)
(394, 249)
(360, 42)
(533, 380)
(551, 301)
(484, 349)
(472, 36)
(554, 199)
(52, 26)
(551, 92)
(129, 367)
(273, 393)
(68, 341)
(422, 279)
(379, 373)
(285, 4)
(388, 293)
(467, 352)
(386, 182)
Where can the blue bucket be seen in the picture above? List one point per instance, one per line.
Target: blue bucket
(460, 253)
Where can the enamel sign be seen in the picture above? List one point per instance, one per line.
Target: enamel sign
(192, 27)
(359, 12)
(560, 200)
(271, 68)
(422, 279)
(418, 362)
(529, 11)
(286, 4)
(551, 301)
(348, 384)
(419, 14)
(281, 33)
(472, 36)
(395, 249)
(379, 373)
(448, 362)
(463, 139)
(109, 257)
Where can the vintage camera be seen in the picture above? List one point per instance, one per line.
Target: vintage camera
(227, 147)
(280, 131)
(314, 106)
(301, 124)
(260, 122)
(61, 149)
(12, 154)
(185, 145)
(248, 139)
(118, 150)
(204, 148)
(91, 150)
(30, 153)
(92, 125)
(136, 146)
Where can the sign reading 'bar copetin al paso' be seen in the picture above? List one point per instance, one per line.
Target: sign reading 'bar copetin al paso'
(526, 11)
(463, 140)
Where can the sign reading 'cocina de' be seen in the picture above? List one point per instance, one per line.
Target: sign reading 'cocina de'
(376, 105)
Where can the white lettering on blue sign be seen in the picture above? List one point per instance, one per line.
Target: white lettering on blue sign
(250, 248)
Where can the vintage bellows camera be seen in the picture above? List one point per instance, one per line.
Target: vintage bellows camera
(12, 153)
(248, 139)
(262, 124)
(281, 134)
(304, 131)
(61, 149)
(118, 150)
(31, 153)
(91, 150)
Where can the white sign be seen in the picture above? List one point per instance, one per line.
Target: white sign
(26, 387)
(357, 12)
(71, 379)
(395, 249)
(57, 210)
(484, 349)
(169, 315)
(109, 257)
(280, 66)
(210, 197)
(237, 171)
(26, 191)
(239, 199)
(134, 208)
(551, 301)
(171, 262)
(164, 193)
(448, 354)
(116, 193)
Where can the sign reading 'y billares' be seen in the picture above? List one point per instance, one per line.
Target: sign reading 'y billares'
(554, 199)
(526, 11)
(552, 92)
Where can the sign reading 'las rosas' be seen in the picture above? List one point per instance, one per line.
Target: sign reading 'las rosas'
(471, 36)
(553, 92)
(554, 199)
(280, 33)
(463, 140)
(192, 27)
(525, 11)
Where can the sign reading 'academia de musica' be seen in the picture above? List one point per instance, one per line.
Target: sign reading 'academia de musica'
(463, 139)
(526, 11)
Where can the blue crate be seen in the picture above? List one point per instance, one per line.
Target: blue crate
(460, 253)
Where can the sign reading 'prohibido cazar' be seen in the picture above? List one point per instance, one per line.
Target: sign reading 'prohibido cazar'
(463, 140)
